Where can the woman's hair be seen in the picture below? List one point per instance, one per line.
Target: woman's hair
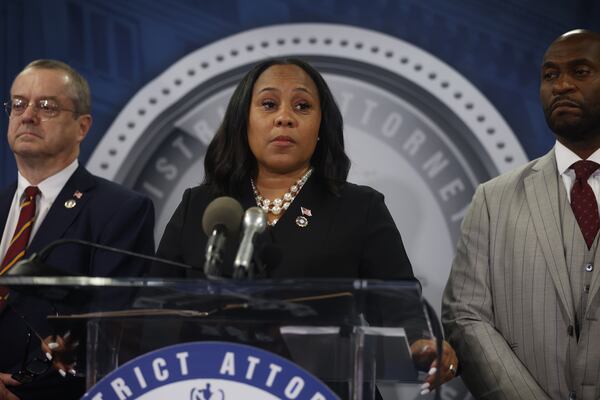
(229, 162)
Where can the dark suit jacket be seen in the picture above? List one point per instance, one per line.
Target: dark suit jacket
(105, 213)
(351, 235)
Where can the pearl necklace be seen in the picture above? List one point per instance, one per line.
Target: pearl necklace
(280, 204)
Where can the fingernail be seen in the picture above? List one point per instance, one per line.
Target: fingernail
(425, 385)
(424, 392)
(425, 349)
(72, 372)
(52, 345)
(67, 334)
(48, 356)
(62, 373)
(432, 371)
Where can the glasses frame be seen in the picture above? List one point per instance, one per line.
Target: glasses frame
(26, 373)
(38, 111)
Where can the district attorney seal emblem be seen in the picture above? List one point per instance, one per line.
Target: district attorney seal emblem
(416, 129)
(210, 371)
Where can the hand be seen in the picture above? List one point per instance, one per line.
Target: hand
(7, 380)
(61, 351)
(424, 352)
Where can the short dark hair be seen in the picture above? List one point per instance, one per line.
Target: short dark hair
(80, 90)
(229, 162)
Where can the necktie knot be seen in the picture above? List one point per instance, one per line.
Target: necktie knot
(583, 169)
(31, 192)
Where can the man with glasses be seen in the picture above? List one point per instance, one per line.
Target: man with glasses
(56, 198)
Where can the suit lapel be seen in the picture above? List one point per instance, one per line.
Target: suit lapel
(541, 189)
(6, 198)
(62, 214)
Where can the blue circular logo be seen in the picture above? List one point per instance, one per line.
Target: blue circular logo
(210, 371)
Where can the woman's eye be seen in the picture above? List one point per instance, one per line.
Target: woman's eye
(303, 106)
(268, 104)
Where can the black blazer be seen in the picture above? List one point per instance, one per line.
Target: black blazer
(351, 235)
(105, 213)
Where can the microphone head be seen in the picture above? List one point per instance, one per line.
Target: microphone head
(225, 211)
(255, 219)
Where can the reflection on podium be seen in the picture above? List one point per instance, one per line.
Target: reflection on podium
(350, 334)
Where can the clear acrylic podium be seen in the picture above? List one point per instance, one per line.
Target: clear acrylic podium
(351, 334)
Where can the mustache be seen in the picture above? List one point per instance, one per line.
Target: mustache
(564, 101)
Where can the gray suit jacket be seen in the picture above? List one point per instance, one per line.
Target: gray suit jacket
(508, 307)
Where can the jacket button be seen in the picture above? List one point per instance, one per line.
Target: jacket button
(570, 330)
(589, 267)
(572, 395)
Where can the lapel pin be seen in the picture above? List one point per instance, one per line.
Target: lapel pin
(78, 195)
(70, 203)
(301, 220)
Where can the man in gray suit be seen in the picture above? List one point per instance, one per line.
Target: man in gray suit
(521, 306)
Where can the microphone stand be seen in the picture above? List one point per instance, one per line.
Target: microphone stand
(37, 258)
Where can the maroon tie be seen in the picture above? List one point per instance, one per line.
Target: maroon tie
(20, 240)
(583, 200)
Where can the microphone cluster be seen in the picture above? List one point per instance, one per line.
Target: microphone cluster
(222, 221)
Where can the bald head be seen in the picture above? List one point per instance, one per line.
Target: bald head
(578, 34)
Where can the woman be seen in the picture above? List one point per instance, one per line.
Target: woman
(281, 147)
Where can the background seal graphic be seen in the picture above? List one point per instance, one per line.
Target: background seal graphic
(416, 129)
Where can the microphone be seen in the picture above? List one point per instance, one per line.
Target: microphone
(221, 219)
(35, 264)
(255, 222)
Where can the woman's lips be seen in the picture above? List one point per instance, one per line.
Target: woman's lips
(282, 140)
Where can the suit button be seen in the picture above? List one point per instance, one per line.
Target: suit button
(589, 267)
(570, 330)
(572, 395)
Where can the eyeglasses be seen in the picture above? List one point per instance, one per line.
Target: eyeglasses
(45, 108)
(30, 368)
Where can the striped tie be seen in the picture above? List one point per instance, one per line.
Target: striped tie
(20, 240)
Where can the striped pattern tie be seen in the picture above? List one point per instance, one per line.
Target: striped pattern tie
(20, 240)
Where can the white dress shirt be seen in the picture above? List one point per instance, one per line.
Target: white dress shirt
(565, 158)
(49, 190)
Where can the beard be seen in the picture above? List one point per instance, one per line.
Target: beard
(573, 127)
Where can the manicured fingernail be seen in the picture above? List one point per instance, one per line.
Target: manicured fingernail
(49, 356)
(425, 385)
(72, 372)
(62, 373)
(432, 371)
(52, 345)
(424, 392)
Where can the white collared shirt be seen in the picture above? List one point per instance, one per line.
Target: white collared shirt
(565, 158)
(49, 190)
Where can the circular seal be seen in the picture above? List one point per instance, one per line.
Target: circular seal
(416, 129)
(210, 371)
